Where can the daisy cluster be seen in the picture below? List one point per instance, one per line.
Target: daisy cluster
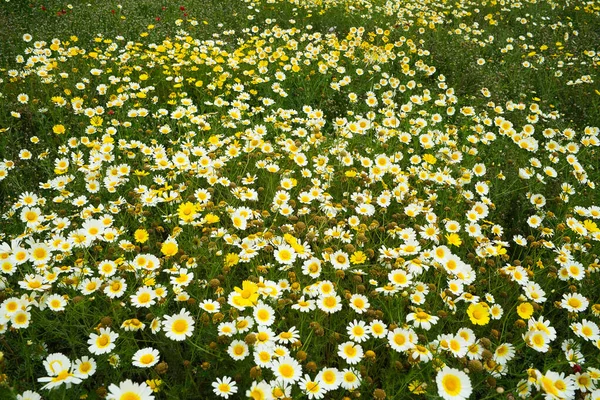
(285, 210)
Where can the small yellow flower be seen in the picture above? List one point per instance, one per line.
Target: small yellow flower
(211, 218)
(58, 129)
(429, 159)
(96, 120)
(417, 387)
(231, 259)
(154, 384)
(479, 313)
(525, 310)
(590, 226)
(169, 248)
(453, 239)
(141, 235)
(358, 257)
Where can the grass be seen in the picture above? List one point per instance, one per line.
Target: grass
(429, 167)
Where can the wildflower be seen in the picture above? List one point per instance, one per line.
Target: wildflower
(20, 319)
(245, 296)
(586, 329)
(312, 387)
(56, 302)
(422, 319)
(285, 255)
(102, 343)
(453, 384)
(58, 129)
(504, 353)
(525, 310)
(330, 378)
(130, 390)
(29, 395)
(377, 329)
(264, 314)
(260, 391)
(178, 326)
(453, 239)
(574, 302)
(287, 369)
(339, 260)
(357, 331)
(144, 297)
(141, 235)
(557, 386)
(169, 248)
(417, 387)
(224, 387)
(145, 358)
(359, 303)
(84, 367)
(238, 350)
(537, 340)
(478, 313)
(350, 379)
(330, 304)
(358, 257)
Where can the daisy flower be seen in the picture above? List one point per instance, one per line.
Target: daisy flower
(226, 329)
(287, 369)
(422, 319)
(102, 343)
(280, 389)
(304, 305)
(574, 302)
(84, 367)
(210, 306)
(224, 387)
(330, 378)
(330, 304)
(58, 367)
(340, 260)
(351, 352)
(504, 353)
(130, 390)
(29, 395)
(145, 358)
(115, 288)
(238, 350)
(143, 297)
(265, 335)
(312, 267)
(350, 379)
(285, 254)
(312, 387)
(358, 331)
(289, 336)
(264, 314)
(537, 340)
(20, 319)
(263, 354)
(378, 329)
(260, 390)
(359, 303)
(401, 339)
(453, 384)
(557, 386)
(179, 326)
(586, 329)
(478, 313)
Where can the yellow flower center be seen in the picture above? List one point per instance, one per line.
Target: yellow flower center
(451, 384)
(180, 326)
